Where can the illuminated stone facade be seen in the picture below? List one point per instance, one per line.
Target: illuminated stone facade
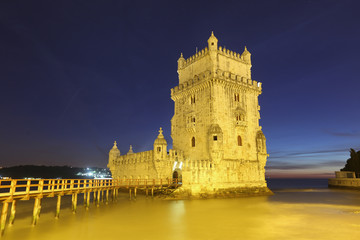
(157, 163)
(218, 144)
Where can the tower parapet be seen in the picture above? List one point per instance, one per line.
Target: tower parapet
(213, 58)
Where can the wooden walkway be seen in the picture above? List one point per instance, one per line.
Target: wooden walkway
(13, 190)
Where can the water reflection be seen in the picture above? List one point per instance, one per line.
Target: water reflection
(323, 214)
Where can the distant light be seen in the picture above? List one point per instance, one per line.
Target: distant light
(175, 163)
(181, 165)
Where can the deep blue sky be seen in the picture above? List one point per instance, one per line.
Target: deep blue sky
(77, 75)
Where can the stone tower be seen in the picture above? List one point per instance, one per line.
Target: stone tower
(216, 122)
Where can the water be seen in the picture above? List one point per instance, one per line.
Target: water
(299, 210)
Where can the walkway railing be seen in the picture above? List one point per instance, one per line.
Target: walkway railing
(12, 190)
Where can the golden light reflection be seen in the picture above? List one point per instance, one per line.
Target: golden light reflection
(282, 216)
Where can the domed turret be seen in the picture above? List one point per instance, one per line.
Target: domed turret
(160, 145)
(212, 42)
(114, 153)
(130, 150)
(246, 56)
(115, 150)
(181, 62)
(160, 140)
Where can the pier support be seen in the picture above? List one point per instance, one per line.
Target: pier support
(3, 217)
(58, 204)
(129, 193)
(98, 198)
(88, 200)
(135, 193)
(12, 212)
(95, 197)
(74, 202)
(152, 192)
(36, 211)
(107, 196)
(85, 199)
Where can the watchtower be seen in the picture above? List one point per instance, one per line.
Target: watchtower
(216, 120)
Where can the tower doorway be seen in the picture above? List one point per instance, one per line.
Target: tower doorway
(176, 178)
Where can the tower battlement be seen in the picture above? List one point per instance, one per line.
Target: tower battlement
(213, 58)
(204, 52)
(203, 78)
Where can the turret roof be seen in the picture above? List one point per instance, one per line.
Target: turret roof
(160, 139)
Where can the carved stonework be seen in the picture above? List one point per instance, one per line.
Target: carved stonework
(217, 140)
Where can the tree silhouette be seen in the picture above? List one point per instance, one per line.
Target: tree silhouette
(353, 163)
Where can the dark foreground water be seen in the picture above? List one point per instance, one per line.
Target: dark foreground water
(300, 209)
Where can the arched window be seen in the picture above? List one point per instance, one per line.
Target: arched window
(193, 142)
(192, 99)
(239, 141)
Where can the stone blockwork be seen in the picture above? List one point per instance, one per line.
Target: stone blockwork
(154, 164)
(218, 143)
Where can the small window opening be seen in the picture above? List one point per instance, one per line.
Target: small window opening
(192, 99)
(236, 97)
(193, 142)
(159, 149)
(239, 141)
(212, 43)
(215, 138)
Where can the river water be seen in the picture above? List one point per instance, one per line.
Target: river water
(299, 209)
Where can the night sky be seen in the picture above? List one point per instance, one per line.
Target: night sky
(77, 75)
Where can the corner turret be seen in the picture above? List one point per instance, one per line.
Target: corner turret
(246, 56)
(130, 150)
(181, 62)
(114, 152)
(212, 42)
(113, 155)
(160, 146)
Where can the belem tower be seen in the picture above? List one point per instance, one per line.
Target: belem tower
(218, 145)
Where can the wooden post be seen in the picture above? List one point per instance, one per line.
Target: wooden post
(130, 193)
(152, 192)
(88, 200)
(146, 192)
(3, 217)
(74, 202)
(107, 196)
(12, 212)
(94, 197)
(58, 204)
(36, 211)
(135, 193)
(98, 198)
(85, 199)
